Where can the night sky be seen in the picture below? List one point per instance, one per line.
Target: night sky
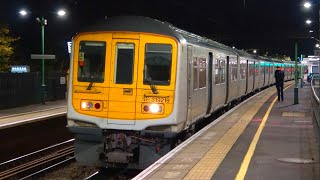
(269, 25)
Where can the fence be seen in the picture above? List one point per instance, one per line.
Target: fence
(315, 87)
(21, 89)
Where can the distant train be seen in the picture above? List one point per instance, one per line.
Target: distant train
(137, 83)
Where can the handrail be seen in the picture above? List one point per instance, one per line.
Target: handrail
(314, 92)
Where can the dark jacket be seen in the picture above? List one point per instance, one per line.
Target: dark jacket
(279, 75)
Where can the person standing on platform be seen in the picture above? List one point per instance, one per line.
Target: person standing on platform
(279, 76)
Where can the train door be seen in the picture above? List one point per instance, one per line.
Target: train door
(123, 81)
(190, 84)
(209, 75)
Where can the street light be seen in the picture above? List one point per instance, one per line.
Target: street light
(254, 51)
(61, 12)
(43, 23)
(308, 21)
(307, 5)
(23, 12)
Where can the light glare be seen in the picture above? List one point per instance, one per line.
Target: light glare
(23, 12)
(84, 105)
(61, 12)
(308, 21)
(154, 108)
(307, 5)
(311, 31)
(317, 45)
(254, 51)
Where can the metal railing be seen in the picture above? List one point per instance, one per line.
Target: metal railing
(315, 88)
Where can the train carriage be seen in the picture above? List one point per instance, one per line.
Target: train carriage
(137, 84)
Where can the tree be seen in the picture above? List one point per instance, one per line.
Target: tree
(6, 47)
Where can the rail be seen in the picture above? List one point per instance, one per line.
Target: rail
(34, 163)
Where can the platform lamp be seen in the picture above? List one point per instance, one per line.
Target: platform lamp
(43, 23)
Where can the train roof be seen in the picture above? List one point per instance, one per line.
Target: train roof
(245, 54)
(149, 25)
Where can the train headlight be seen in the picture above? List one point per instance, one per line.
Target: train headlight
(154, 108)
(84, 105)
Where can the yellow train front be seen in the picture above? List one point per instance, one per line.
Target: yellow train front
(121, 93)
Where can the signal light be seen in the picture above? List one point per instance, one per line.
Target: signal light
(146, 108)
(97, 106)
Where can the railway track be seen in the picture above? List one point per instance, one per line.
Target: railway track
(37, 162)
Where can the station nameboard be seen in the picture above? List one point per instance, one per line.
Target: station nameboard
(40, 56)
(20, 69)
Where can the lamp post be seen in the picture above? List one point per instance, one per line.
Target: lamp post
(43, 23)
(296, 99)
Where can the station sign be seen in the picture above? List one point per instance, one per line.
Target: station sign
(20, 69)
(69, 45)
(44, 56)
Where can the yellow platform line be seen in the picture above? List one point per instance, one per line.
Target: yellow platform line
(247, 159)
(207, 166)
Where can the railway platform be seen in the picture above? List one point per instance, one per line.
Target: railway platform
(259, 139)
(32, 113)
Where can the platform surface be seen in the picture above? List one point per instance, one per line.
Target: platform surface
(28, 114)
(260, 139)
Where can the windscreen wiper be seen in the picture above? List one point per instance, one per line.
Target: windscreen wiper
(152, 86)
(90, 85)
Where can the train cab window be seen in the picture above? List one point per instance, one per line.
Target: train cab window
(91, 61)
(124, 63)
(157, 64)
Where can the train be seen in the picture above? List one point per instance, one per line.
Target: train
(137, 84)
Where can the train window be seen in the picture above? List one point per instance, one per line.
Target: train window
(91, 61)
(216, 71)
(202, 72)
(262, 68)
(222, 71)
(195, 73)
(243, 69)
(251, 68)
(234, 69)
(124, 63)
(157, 64)
(256, 69)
